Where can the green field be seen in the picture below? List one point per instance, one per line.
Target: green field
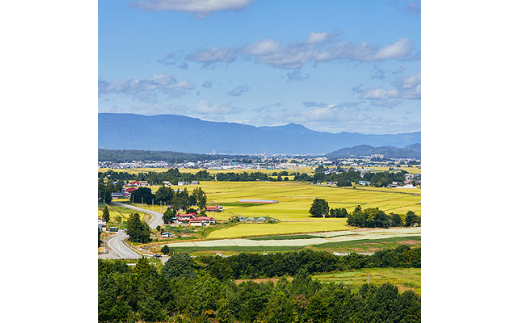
(404, 278)
(358, 246)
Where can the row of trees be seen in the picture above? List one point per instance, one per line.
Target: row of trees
(177, 199)
(183, 291)
(174, 176)
(375, 218)
(250, 265)
(320, 209)
(368, 218)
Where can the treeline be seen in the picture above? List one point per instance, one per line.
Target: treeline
(182, 292)
(174, 176)
(347, 177)
(250, 265)
(122, 156)
(375, 218)
(177, 199)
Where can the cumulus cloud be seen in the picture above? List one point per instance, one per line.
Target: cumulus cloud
(408, 88)
(146, 89)
(210, 57)
(200, 8)
(316, 48)
(239, 90)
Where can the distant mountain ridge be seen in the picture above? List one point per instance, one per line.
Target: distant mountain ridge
(412, 151)
(191, 135)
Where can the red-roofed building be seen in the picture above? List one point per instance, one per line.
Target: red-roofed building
(214, 208)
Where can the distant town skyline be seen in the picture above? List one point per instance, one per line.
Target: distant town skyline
(333, 66)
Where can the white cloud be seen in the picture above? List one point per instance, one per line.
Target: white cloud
(317, 48)
(204, 108)
(146, 89)
(405, 88)
(315, 38)
(336, 118)
(398, 50)
(379, 94)
(214, 55)
(201, 8)
(263, 47)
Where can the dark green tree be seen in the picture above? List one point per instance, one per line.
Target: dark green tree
(411, 219)
(143, 195)
(106, 214)
(165, 249)
(180, 265)
(138, 230)
(319, 208)
(168, 215)
(396, 220)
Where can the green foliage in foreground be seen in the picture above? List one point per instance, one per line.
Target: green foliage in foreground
(248, 265)
(143, 293)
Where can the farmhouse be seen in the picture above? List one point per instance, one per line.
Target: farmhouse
(201, 221)
(214, 208)
(258, 201)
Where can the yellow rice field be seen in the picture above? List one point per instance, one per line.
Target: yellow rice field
(248, 230)
(295, 199)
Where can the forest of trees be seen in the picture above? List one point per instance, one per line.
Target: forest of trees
(184, 291)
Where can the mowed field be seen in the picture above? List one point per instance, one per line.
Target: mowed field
(295, 199)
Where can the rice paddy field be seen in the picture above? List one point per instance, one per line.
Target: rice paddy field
(295, 199)
(116, 210)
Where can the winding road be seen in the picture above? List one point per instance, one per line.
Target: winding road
(116, 246)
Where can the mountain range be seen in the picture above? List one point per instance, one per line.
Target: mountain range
(186, 134)
(412, 151)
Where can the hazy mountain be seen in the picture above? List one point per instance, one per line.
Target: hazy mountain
(412, 151)
(185, 134)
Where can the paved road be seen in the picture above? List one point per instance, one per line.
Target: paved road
(116, 247)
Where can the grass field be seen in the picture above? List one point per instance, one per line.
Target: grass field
(358, 246)
(404, 278)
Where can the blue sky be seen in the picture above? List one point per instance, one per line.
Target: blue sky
(331, 66)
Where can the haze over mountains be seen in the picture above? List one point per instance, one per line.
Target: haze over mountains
(185, 134)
